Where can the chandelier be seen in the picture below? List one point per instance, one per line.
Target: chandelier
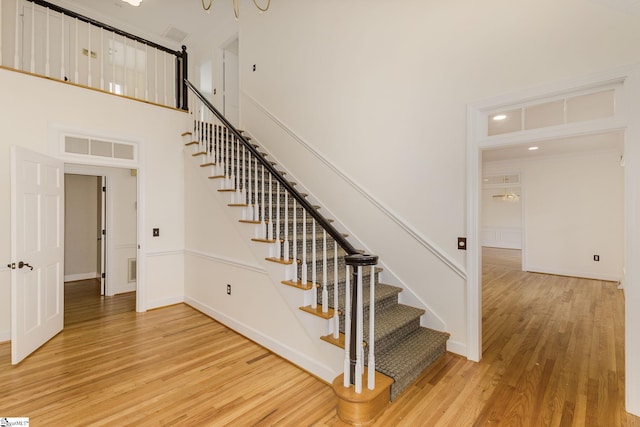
(236, 6)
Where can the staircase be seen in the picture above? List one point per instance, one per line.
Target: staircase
(403, 348)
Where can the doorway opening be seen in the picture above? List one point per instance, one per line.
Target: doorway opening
(231, 81)
(100, 271)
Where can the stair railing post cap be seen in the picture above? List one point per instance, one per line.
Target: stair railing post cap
(361, 260)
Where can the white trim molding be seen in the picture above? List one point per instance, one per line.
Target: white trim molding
(80, 276)
(322, 371)
(5, 336)
(626, 80)
(228, 261)
(420, 238)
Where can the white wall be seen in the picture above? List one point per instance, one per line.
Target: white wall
(574, 210)
(40, 108)
(80, 227)
(379, 91)
(219, 252)
(501, 219)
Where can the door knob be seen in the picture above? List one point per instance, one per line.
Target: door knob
(24, 264)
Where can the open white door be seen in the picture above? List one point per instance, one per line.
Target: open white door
(103, 236)
(37, 250)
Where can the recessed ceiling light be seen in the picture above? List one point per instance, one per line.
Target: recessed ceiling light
(499, 117)
(533, 148)
(133, 2)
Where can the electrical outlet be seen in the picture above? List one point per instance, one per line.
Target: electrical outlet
(156, 232)
(596, 257)
(228, 289)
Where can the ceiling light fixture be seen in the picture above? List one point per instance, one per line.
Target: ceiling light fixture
(206, 5)
(499, 117)
(135, 3)
(533, 148)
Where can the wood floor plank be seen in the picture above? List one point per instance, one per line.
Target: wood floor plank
(553, 356)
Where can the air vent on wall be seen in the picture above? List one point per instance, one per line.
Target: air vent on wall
(133, 270)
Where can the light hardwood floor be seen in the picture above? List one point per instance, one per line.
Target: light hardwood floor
(554, 356)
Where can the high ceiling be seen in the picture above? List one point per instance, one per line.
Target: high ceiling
(162, 21)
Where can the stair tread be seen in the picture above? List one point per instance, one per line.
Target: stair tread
(406, 360)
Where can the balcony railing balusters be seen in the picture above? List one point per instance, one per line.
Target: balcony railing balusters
(125, 67)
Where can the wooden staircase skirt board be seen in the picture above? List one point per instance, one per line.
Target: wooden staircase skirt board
(299, 285)
(364, 408)
(318, 311)
(280, 260)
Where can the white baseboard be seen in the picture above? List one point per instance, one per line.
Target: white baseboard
(457, 347)
(572, 273)
(81, 276)
(5, 336)
(302, 360)
(164, 302)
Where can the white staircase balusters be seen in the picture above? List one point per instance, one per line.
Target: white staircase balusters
(371, 380)
(101, 59)
(270, 211)
(237, 183)
(336, 312)
(231, 181)
(303, 267)
(164, 73)
(249, 209)
(256, 203)
(314, 277)
(89, 79)
(277, 247)
(32, 67)
(263, 229)
(228, 159)
(359, 334)
(243, 191)
(295, 242)
(347, 329)
(325, 294)
(16, 36)
(1, 63)
(286, 227)
(146, 72)
(155, 75)
(47, 64)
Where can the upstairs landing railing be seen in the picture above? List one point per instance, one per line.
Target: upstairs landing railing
(44, 39)
(287, 220)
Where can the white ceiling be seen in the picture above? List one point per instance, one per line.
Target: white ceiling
(557, 147)
(154, 18)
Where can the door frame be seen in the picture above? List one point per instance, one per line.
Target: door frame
(102, 171)
(628, 121)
